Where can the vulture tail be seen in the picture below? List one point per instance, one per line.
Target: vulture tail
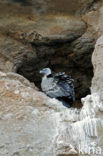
(66, 102)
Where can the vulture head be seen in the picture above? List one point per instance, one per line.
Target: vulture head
(45, 71)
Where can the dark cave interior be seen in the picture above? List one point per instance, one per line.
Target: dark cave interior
(72, 58)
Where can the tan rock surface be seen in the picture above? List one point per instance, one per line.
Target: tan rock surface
(32, 124)
(28, 119)
(97, 59)
(94, 19)
(31, 39)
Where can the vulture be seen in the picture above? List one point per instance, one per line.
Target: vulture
(59, 86)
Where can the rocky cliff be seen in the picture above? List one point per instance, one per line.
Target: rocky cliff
(61, 35)
(40, 34)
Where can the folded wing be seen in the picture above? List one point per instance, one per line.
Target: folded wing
(61, 86)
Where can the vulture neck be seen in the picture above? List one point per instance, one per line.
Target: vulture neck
(45, 76)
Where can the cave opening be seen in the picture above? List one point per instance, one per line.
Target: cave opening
(72, 58)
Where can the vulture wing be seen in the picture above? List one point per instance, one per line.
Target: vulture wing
(62, 86)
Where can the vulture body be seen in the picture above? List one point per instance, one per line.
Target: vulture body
(59, 86)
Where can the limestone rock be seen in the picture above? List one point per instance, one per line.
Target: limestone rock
(31, 39)
(94, 19)
(30, 121)
(49, 6)
(97, 59)
(35, 34)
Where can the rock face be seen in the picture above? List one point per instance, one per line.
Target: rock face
(94, 19)
(32, 124)
(36, 34)
(30, 121)
(97, 81)
(49, 6)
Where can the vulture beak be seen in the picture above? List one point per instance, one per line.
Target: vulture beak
(41, 72)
